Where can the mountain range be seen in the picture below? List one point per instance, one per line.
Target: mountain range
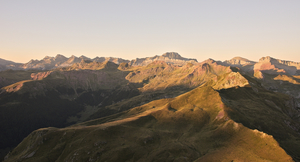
(48, 63)
(161, 108)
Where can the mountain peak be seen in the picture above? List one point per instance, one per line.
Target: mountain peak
(73, 56)
(240, 58)
(168, 57)
(84, 57)
(59, 56)
(47, 57)
(266, 59)
(172, 55)
(238, 61)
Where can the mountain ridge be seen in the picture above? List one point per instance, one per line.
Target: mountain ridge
(48, 63)
(200, 98)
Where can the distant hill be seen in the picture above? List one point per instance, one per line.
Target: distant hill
(5, 64)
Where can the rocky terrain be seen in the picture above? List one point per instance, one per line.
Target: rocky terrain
(161, 108)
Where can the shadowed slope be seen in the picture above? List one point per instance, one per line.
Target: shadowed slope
(273, 113)
(9, 77)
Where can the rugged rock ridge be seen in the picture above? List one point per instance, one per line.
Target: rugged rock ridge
(48, 63)
(169, 57)
(59, 61)
(267, 65)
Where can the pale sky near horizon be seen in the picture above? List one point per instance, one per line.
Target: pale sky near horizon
(129, 29)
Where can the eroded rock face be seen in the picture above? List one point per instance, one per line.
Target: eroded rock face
(40, 75)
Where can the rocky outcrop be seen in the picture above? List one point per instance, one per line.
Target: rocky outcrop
(40, 75)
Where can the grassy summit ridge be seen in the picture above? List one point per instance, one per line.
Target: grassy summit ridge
(195, 126)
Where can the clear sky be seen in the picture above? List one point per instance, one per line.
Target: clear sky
(201, 29)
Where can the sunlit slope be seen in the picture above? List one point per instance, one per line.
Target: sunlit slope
(191, 127)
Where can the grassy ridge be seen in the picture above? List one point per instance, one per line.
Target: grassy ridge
(192, 126)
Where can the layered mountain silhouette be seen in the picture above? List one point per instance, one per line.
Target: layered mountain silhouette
(59, 61)
(161, 108)
(169, 57)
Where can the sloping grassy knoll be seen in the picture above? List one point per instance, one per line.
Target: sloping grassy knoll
(8, 77)
(18, 75)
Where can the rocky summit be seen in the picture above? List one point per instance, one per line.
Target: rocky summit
(160, 108)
